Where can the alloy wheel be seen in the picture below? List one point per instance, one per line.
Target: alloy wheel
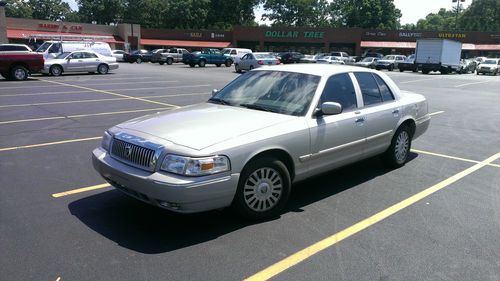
(263, 189)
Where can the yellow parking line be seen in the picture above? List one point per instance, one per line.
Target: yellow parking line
(80, 190)
(109, 93)
(48, 144)
(97, 100)
(306, 253)
(436, 113)
(81, 115)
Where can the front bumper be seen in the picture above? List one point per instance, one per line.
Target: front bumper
(113, 66)
(383, 66)
(486, 70)
(176, 193)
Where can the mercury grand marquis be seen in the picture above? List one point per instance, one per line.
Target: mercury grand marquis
(264, 131)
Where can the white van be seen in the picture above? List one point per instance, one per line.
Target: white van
(235, 53)
(51, 49)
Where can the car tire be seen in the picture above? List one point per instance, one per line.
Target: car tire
(218, 64)
(192, 65)
(202, 63)
(263, 189)
(391, 67)
(19, 73)
(399, 150)
(5, 75)
(170, 61)
(377, 68)
(103, 69)
(138, 60)
(56, 70)
(401, 70)
(161, 62)
(425, 71)
(237, 69)
(228, 63)
(251, 67)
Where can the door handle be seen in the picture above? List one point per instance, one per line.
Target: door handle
(395, 111)
(360, 120)
(80, 61)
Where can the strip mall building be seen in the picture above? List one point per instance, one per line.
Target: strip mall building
(306, 40)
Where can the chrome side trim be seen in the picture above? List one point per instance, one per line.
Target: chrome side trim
(327, 151)
(379, 135)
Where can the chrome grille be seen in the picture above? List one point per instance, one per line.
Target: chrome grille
(136, 155)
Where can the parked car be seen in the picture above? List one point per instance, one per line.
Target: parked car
(330, 60)
(290, 57)
(389, 62)
(19, 66)
(408, 64)
(367, 62)
(118, 54)
(235, 53)
(207, 56)
(373, 55)
(80, 61)
(342, 56)
(14, 48)
(308, 59)
(489, 66)
(171, 55)
(266, 130)
(157, 56)
(320, 55)
(138, 56)
(467, 66)
(255, 60)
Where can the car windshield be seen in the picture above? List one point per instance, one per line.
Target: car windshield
(412, 57)
(367, 60)
(274, 91)
(388, 58)
(264, 56)
(490, 62)
(43, 47)
(226, 51)
(62, 56)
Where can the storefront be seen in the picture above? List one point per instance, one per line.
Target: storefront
(188, 39)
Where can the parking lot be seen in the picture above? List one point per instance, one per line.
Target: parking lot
(436, 218)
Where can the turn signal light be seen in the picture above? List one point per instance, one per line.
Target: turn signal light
(260, 62)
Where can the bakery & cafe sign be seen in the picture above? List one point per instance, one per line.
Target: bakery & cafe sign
(295, 34)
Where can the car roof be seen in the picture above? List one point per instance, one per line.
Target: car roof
(325, 70)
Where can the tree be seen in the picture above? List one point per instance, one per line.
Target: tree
(443, 20)
(297, 12)
(101, 11)
(18, 9)
(224, 14)
(482, 15)
(49, 9)
(381, 14)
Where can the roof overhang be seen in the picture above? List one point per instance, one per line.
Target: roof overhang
(185, 43)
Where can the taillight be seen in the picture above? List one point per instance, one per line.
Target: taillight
(260, 62)
(278, 62)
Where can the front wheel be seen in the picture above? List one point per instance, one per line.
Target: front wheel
(263, 189)
(228, 63)
(138, 60)
(170, 61)
(397, 153)
(237, 69)
(391, 67)
(191, 64)
(161, 62)
(201, 63)
(102, 69)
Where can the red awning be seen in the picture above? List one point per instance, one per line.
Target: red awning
(481, 47)
(26, 34)
(184, 43)
(386, 44)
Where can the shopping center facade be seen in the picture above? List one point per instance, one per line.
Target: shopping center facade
(354, 41)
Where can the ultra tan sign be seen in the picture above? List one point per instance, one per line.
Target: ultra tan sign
(452, 35)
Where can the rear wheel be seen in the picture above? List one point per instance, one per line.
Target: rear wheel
(401, 70)
(56, 70)
(202, 63)
(19, 73)
(102, 69)
(138, 60)
(191, 64)
(263, 189)
(170, 61)
(425, 71)
(237, 68)
(397, 154)
(391, 67)
(218, 64)
(161, 62)
(228, 63)
(251, 67)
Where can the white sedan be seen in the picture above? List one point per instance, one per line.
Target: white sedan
(118, 54)
(330, 60)
(80, 61)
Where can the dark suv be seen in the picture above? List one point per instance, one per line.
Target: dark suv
(290, 57)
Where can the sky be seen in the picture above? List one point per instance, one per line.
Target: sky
(412, 10)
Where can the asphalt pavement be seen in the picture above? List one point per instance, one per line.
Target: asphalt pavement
(436, 218)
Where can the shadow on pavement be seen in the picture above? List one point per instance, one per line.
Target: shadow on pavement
(151, 230)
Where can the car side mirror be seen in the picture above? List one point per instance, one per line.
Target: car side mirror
(214, 92)
(329, 108)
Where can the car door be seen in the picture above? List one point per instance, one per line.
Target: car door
(74, 62)
(91, 61)
(381, 111)
(337, 139)
(243, 63)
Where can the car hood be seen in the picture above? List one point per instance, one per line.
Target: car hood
(53, 61)
(385, 61)
(203, 125)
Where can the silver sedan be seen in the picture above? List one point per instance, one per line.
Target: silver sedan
(264, 131)
(255, 60)
(79, 61)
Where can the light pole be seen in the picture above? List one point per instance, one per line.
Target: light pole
(458, 11)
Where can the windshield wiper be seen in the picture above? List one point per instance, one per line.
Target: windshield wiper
(219, 101)
(257, 107)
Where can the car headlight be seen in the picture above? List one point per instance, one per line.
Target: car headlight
(195, 166)
(106, 140)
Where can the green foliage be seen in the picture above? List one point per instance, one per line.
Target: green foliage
(443, 20)
(224, 14)
(101, 11)
(49, 9)
(18, 9)
(298, 12)
(381, 14)
(482, 15)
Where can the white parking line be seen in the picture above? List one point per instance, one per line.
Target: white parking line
(473, 83)
(88, 84)
(436, 113)
(420, 80)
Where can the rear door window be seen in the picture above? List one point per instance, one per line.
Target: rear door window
(369, 88)
(339, 88)
(384, 89)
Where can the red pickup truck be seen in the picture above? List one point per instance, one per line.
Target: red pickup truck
(19, 65)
